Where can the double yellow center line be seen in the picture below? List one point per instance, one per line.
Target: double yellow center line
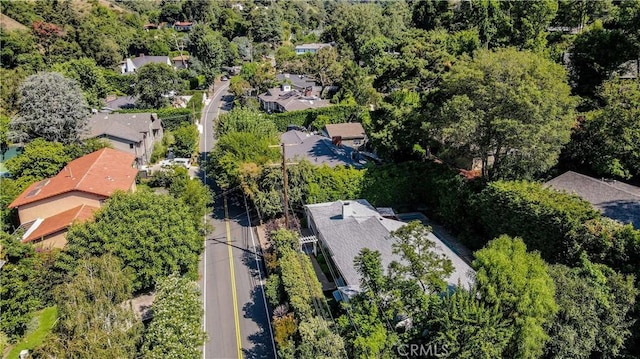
(233, 281)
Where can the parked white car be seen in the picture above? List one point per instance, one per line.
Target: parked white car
(182, 162)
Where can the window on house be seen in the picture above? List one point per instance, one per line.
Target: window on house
(131, 146)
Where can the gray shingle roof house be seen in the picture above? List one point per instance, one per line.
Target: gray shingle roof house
(318, 150)
(615, 199)
(343, 228)
(299, 82)
(284, 98)
(129, 132)
(131, 65)
(119, 103)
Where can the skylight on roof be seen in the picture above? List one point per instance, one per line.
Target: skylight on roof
(37, 188)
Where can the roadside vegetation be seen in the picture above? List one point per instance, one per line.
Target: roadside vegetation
(527, 89)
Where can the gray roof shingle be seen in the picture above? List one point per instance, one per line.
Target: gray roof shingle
(317, 149)
(128, 126)
(615, 199)
(143, 60)
(363, 227)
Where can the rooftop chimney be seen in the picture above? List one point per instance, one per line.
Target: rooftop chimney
(346, 210)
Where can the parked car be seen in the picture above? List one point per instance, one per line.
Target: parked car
(182, 162)
(225, 78)
(166, 163)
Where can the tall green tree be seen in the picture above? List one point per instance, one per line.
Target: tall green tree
(186, 140)
(595, 55)
(154, 83)
(176, 328)
(153, 235)
(88, 76)
(607, 140)
(93, 321)
(326, 67)
(17, 299)
(511, 109)
(580, 13)
(415, 247)
(351, 26)
(396, 126)
(507, 23)
(51, 107)
(317, 340)
(357, 86)
(468, 328)
(364, 325)
(519, 284)
(235, 150)
(208, 47)
(432, 14)
(40, 159)
(594, 311)
(368, 263)
(245, 120)
(265, 25)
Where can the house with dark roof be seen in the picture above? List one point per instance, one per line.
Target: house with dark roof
(310, 48)
(135, 133)
(115, 103)
(616, 200)
(319, 150)
(285, 98)
(350, 134)
(344, 228)
(183, 25)
(300, 82)
(47, 208)
(131, 65)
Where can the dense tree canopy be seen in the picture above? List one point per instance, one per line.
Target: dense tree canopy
(51, 107)
(92, 318)
(176, 328)
(606, 142)
(153, 235)
(594, 307)
(89, 77)
(469, 328)
(208, 47)
(511, 109)
(17, 299)
(428, 268)
(155, 84)
(519, 284)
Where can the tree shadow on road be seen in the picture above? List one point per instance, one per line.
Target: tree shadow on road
(262, 341)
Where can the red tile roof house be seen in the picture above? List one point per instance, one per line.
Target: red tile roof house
(47, 208)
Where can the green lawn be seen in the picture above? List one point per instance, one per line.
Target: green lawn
(46, 318)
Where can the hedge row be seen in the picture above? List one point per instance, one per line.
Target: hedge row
(172, 118)
(317, 118)
(559, 225)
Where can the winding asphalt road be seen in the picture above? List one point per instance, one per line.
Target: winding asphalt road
(236, 319)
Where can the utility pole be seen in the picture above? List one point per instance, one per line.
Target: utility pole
(285, 180)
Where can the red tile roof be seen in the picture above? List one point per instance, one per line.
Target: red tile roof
(60, 221)
(101, 173)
